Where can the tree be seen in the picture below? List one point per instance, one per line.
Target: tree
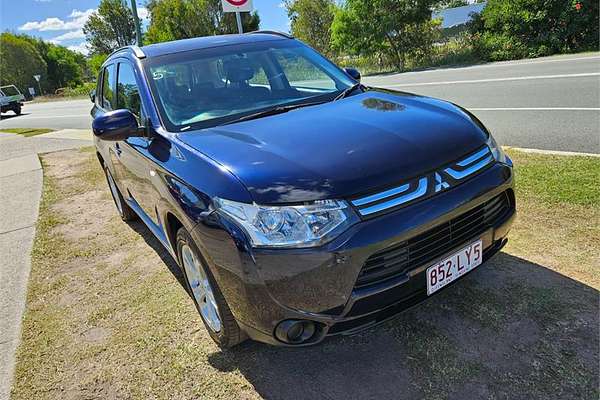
(451, 4)
(64, 67)
(110, 27)
(311, 22)
(95, 62)
(398, 28)
(182, 19)
(529, 28)
(19, 61)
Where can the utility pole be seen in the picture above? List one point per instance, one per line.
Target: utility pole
(238, 18)
(138, 30)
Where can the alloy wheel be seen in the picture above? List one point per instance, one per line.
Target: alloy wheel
(201, 288)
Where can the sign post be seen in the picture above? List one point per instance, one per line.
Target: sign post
(237, 6)
(37, 78)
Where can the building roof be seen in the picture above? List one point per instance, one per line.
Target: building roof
(458, 15)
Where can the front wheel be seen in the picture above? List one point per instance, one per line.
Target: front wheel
(207, 296)
(17, 110)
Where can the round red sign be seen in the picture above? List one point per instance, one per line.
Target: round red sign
(237, 3)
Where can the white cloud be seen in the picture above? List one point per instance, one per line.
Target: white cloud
(143, 12)
(68, 36)
(75, 20)
(80, 48)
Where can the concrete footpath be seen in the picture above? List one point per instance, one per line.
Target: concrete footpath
(21, 179)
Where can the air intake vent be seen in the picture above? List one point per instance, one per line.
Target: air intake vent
(434, 243)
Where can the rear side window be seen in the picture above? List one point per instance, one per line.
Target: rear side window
(108, 98)
(128, 95)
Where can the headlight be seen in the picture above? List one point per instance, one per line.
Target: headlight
(289, 226)
(497, 151)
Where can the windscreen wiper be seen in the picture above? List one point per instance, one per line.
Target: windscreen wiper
(349, 90)
(272, 111)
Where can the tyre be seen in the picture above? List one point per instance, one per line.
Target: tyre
(207, 296)
(125, 212)
(17, 110)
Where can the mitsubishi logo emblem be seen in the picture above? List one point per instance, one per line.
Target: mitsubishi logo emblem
(440, 183)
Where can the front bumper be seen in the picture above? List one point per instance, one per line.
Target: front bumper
(265, 287)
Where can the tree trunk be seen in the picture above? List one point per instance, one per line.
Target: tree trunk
(399, 61)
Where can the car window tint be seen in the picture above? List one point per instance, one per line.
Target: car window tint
(222, 83)
(128, 95)
(108, 100)
(98, 100)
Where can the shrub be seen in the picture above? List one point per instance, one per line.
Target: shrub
(509, 29)
(81, 90)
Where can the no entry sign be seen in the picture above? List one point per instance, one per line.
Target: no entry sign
(237, 5)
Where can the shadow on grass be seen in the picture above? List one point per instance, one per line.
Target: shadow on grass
(141, 229)
(511, 329)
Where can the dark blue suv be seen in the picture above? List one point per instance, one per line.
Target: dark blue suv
(298, 202)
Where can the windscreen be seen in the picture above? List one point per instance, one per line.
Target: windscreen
(9, 90)
(213, 86)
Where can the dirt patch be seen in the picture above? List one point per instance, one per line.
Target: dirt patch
(96, 335)
(107, 318)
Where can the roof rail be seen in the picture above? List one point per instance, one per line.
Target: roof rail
(139, 53)
(285, 35)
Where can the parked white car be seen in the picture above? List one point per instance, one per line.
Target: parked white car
(11, 99)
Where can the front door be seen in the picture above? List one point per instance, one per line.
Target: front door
(139, 170)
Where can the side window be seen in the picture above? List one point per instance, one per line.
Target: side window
(99, 89)
(303, 74)
(128, 95)
(108, 98)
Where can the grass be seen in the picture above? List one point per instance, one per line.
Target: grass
(27, 132)
(107, 318)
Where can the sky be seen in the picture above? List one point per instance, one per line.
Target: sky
(60, 21)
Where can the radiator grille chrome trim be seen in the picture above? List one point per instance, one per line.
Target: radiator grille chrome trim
(424, 186)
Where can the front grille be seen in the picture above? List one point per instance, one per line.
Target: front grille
(434, 243)
(424, 186)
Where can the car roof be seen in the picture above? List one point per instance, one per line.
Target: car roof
(177, 46)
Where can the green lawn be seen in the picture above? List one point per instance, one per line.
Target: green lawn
(107, 318)
(27, 132)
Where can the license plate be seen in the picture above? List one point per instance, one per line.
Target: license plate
(449, 269)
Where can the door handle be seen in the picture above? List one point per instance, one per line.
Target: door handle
(118, 149)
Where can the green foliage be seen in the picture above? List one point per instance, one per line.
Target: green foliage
(19, 61)
(23, 56)
(311, 22)
(79, 91)
(95, 63)
(64, 67)
(109, 28)
(451, 4)
(182, 19)
(395, 28)
(509, 29)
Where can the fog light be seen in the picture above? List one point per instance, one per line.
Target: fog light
(295, 331)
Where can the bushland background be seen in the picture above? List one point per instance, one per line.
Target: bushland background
(375, 36)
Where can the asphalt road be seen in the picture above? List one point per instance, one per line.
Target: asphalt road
(549, 103)
(72, 114)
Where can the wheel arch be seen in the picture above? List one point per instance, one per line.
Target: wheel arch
(172, 225)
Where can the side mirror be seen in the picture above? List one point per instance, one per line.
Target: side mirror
(115, 125)
(353, 72)
(93, 95)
